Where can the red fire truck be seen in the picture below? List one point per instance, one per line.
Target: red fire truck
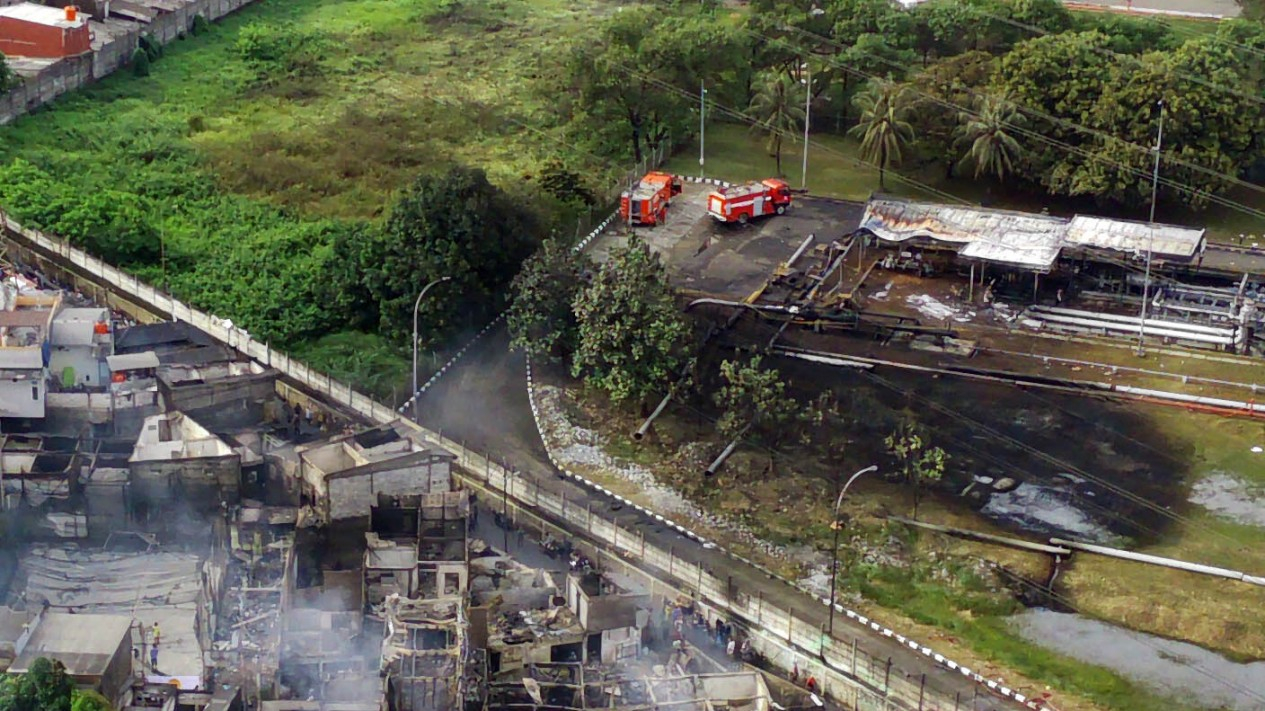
(647, 203)
(740, 203)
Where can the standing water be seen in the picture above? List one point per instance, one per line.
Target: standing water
(1179, 670)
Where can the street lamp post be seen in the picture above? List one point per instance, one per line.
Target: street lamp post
(808, 107)
(417, 304)
(834, 565)
(1146, 279)
(702, 126)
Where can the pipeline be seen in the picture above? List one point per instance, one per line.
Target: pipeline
(800, 251)
(1158, 560)
(711, 469)
(640, 434)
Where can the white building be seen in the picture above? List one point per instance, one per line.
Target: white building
(81, 341)
(25, 325)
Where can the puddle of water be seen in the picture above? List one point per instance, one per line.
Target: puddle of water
(1177, 669)
(1230, 497)
(1048, 509)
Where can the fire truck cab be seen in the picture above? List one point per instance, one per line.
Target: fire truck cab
(647, 203)
(740, 203)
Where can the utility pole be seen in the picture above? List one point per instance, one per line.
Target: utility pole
(702, 126)
(808, 107)
(1146, 279)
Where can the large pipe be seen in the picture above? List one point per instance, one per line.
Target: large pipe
(799, 252)
(1158, 560)
(711, 469)
(645, 426)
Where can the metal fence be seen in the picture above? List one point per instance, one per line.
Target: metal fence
(847, 671)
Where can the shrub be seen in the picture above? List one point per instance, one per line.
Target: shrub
(152, 49)
(8, 79)
(200, 25)
(278, 51)
(140, 62)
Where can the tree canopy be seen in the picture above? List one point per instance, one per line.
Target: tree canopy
(541, 317)
(453, 224)
(633, 339)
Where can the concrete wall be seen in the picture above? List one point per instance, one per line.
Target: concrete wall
(32, 39)
(200, 484)
(352, 494)
(85, 362)
(22, 398)
(71, 73)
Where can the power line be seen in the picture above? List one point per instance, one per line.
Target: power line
(751, 121)
(1035, 135)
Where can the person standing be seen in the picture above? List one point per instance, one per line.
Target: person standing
(153, 658)
(158, 634)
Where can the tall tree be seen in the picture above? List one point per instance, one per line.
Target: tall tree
(541, 318)
(986, 137)
(633, 338)
(948, 83)
(1060, 77)
(639, 76)
(883, 130)
(454, 224)
(777, 108)
(918, 463)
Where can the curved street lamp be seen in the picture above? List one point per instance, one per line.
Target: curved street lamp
(834, 565)
(416, 305)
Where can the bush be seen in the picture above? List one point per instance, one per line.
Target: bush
(279, 51)
(152, 49)
(140, 62)
(200, 25)
(8, 79)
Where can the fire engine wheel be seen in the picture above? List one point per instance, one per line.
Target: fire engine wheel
(781, 209)
(742, 219)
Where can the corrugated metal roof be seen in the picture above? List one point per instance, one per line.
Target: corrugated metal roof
(1028, 251)
(1135, 237)
(1024, 240)
(1021, 239)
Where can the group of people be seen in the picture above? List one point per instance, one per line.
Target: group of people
(155, 638)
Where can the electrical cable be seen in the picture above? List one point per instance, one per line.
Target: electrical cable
(1061, 145)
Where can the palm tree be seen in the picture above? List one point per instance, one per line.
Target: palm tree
(985, 136)
(777, 110)
(883, 129)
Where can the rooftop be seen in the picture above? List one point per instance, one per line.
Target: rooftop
(84, 643)
(1019, 239)
(42, 15)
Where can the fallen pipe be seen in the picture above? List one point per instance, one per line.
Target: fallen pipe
(640, 434)
(711, 469)
(794, 257)
(1161, 561)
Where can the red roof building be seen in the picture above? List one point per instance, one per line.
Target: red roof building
(30, 30)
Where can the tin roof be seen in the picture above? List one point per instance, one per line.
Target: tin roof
(1135, 237)
(84, 643)
(1020, 239)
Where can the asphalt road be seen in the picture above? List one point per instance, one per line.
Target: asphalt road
(482, 402)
